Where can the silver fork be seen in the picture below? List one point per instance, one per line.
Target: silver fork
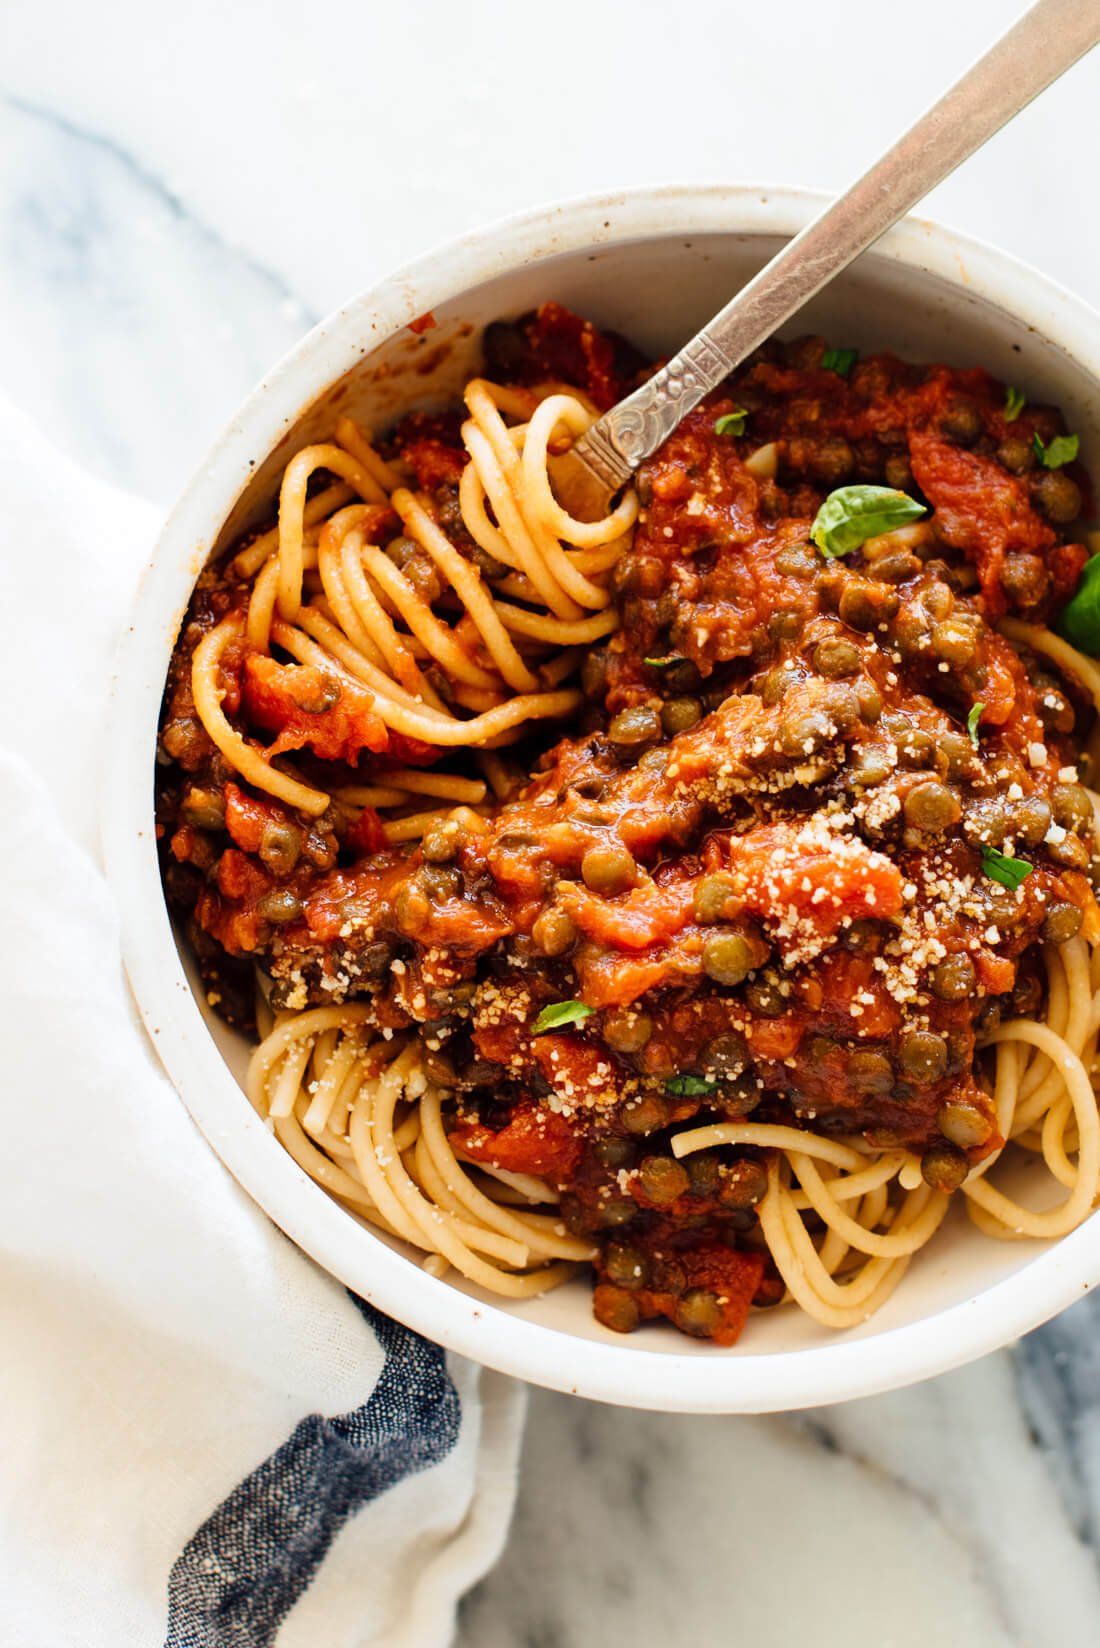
(1047, 40)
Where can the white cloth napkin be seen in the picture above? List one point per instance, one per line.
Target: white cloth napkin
(204, 1441)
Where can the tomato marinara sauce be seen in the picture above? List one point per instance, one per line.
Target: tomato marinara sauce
(703, 895)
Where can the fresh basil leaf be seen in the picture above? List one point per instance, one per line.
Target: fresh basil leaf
(690, 1087)
(1079, 621)
(1010, 872)
(559, 1014)
(839, 361)
(853, 514)
(733, 423)
(663, 663)
(972, 721)
(1062, 450)
(1015, 401)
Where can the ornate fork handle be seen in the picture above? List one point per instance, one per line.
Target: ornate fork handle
(1046, 41)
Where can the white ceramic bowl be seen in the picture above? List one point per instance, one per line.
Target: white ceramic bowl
(653, 264)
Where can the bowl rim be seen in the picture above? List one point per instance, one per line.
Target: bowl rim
(616, 1371)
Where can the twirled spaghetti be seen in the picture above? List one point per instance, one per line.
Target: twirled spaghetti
(692, 894)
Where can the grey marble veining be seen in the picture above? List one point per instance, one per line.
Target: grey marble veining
(180, 193)
(127, 327)
(1057, 1372)
(929, 1515)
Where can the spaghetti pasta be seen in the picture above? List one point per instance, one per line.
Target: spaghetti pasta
(656, 894)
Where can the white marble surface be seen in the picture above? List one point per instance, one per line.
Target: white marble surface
(183, 189)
